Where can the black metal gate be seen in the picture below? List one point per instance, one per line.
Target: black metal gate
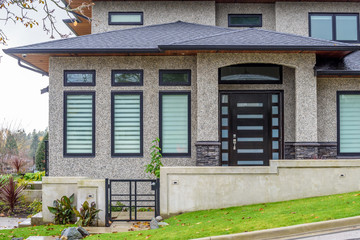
(131, 199)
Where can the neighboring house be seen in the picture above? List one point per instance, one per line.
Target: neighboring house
(221, 83)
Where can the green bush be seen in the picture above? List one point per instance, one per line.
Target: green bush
(40, 154)
(34, 176)
(86, 214)
(63, 210)
(35, 206)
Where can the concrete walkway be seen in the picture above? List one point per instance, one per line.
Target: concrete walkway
(9, 223)
(333, 234)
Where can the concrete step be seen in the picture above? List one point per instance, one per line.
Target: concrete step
(37, 219)
(25, 223)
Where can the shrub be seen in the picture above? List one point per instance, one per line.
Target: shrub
(34, 176)
(40, 154)
(10, 193)
(63, 210)
(154, 166)
(118, 208)
(35, 206)
(18, 164)
(87, 214)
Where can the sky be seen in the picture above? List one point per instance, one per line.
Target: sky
(21, 104)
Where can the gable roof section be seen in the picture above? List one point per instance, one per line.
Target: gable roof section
(182, 36)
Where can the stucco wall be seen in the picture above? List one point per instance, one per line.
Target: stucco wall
(304, 124)
(267, 11)
(154, 13)
(103, 165)
(293, 17)
(220, 187)
(327, 88)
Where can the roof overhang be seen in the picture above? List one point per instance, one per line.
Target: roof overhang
(83, 24)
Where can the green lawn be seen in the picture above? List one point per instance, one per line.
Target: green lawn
(238, 219)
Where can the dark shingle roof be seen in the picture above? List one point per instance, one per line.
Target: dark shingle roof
(182, 35)
(349, 65)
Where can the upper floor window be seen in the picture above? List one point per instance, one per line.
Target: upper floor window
(244, 20)
(126, 18)
(127, 77)
(251, 73)
(175, 77)
(79, 78)
(335, 26)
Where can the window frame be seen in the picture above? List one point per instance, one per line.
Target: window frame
(244, 15)
(161, 94)
(67, 93)
(113, 154)
(186, 71)
(113, 72)
(67, 84)
(338, 93)
(280, 81)
(126, 23)
(333, 22)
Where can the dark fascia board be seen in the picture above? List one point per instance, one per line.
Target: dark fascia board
(337, 72)
(77, 50)
(260, 47)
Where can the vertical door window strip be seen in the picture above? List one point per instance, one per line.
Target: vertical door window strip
(127, 124)
(349, 125)
(275, 126)
(175, 121)
(79, 124)
(224, 104)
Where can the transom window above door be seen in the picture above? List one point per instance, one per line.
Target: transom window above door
(251, 73)
(334, 26)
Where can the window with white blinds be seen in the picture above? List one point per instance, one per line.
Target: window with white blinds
(127, 124)
(175, 124)
(79, 124)
(349, 123)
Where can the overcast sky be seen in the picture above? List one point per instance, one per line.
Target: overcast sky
(21, 103)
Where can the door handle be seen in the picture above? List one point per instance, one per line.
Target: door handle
(234, 141)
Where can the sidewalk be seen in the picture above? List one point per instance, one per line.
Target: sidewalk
(9, 223)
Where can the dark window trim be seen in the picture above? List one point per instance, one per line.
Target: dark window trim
(67, 93)
(126, 23)
(244, 15)
(338, 93)
(113, 154)
(333, 20)
(161, 94)
(93, 72)
(186, 71)
(252, 81)
(113, 72)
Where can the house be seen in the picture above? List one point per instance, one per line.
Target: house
(221, 83)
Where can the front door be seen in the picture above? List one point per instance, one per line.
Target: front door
(251, 128)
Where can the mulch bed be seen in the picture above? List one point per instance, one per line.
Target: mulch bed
(20, 211)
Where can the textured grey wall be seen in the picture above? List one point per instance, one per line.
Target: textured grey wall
(154, 13)
(267, 11)
(327, 88)
(103, 165)
(292, 17)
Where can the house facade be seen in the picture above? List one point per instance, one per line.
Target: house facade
(220, 83)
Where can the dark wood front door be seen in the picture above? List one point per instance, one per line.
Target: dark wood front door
(251, 131)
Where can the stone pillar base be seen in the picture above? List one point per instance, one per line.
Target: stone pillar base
(316, 150)
(207, 153)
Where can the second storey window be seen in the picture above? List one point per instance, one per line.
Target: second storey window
(126, 77)
(244, 20)
(337, 26)
(127, 124)
(79, 124)
(175, 77)
(79, 78)
(126, 18)
(175, 123)
(348, 123)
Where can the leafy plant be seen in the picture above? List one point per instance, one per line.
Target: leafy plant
(18, 164)
(10, 193)
(87, 214)
(154, 166)
(35, 206)
(118, 208)
(34, 176)
(63, 210)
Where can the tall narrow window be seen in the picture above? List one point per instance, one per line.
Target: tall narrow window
(79, 124)
(348, 123)
(175, 123)
(335, 26)
(127, 124)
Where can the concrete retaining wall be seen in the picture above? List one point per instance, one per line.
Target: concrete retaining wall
(185, 189)
(91, 190)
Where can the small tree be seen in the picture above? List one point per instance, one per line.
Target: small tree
(40, 154)
(11, 145)
(34, 144)
(154, 166)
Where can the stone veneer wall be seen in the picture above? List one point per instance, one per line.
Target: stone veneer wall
(207, 154)
(327, 150)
